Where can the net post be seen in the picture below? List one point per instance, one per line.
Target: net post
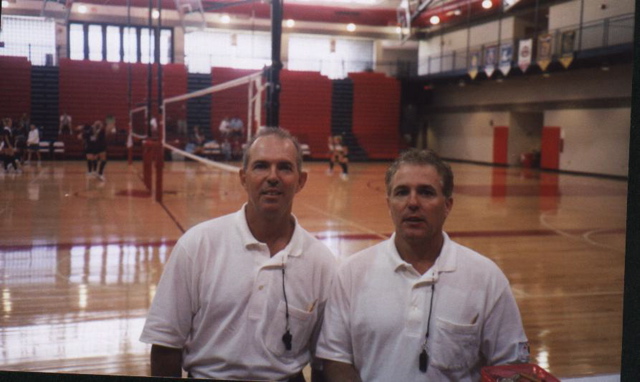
(130, 144)
(273, 90)
(147, 160)
(159, 151)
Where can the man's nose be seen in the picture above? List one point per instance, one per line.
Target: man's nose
(412, 200)
(272, 176)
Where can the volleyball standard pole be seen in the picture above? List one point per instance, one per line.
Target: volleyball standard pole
(273, 73)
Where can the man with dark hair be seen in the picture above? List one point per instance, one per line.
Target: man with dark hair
(242, 296)
(419, 306)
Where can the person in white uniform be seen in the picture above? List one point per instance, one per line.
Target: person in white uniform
(419, 306)
(242, 296)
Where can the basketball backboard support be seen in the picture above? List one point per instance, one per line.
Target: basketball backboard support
(407, 12)
(188, 7)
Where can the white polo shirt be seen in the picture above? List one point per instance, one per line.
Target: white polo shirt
(377, 313)
(221, 300)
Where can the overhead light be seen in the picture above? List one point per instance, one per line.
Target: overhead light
(351, 27)
(82, 8)
(290, 23)
(5, 3)
(155, 14)
(434, 20)
(225, 19)
(486, 4)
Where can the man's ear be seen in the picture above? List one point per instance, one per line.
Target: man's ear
(448, 205)
(243, 177)
(302, 180)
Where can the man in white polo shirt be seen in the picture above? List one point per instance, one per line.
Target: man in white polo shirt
(419, 307)
(242, 296)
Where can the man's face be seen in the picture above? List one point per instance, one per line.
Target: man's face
(272, 177)
(417, 206)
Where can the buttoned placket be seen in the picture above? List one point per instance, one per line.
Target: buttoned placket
(265, 265)
(419, 298)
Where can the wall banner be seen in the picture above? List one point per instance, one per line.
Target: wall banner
(545, 50)
(567, 48)
(474, 62)
(490, 59)
(506, 56)
(525, 48)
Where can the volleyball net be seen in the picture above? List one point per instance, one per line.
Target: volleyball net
(213, 124)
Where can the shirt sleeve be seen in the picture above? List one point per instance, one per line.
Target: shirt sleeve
(169, 320)
(335, 339)
(504, 339)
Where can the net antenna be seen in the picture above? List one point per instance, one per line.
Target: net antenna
(138, 128)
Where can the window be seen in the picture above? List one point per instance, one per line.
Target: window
(332, 57)
(31, 37)
(95, 42)
(76, 42)
(116, 43)
(130, 44)
(205, 49)
(113, 43)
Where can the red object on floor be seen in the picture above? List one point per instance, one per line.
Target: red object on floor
(528, 373)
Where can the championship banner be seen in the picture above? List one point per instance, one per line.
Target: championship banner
(545, 50)
(566, 49)
(474, 61)
(525, 47)
(490, 54)
(506, 56)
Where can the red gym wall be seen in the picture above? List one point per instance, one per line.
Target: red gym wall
(305, 104)
(305, 108)
(15, 90)
(376, 114)
(93, 90)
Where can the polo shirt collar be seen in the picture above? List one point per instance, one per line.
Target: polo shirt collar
(293, 249)
(446, 261)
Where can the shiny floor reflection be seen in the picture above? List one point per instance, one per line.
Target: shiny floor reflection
(80, 258)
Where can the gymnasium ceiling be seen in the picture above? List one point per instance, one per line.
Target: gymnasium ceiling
(324, 13)
(370, 13)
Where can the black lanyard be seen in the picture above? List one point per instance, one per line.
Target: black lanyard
(424, 357)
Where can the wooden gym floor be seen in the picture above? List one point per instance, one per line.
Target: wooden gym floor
(80, 258)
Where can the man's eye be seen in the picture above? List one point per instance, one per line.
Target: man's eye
(401, 192)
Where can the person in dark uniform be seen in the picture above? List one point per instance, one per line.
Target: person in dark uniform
(8, 146)
(99, 143)
(85, 134)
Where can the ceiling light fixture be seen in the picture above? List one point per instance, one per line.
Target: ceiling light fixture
(434, 20)
(487, 4)
(5, 3)
(155, 14)
(351, 27)
(225, 19)
(82, 8)
(290, 23)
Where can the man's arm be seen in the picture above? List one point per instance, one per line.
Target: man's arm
(335, 371)
(166, 362)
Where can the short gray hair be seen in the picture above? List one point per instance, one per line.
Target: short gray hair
(278, 132)
(422, 158)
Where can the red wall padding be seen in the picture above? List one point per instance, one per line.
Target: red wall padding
(305, 108)
(15, 87)
(376, 114)
(93, 90)
(305, 105)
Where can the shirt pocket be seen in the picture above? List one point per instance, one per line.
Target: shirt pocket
(300, 326)
(454, 346)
